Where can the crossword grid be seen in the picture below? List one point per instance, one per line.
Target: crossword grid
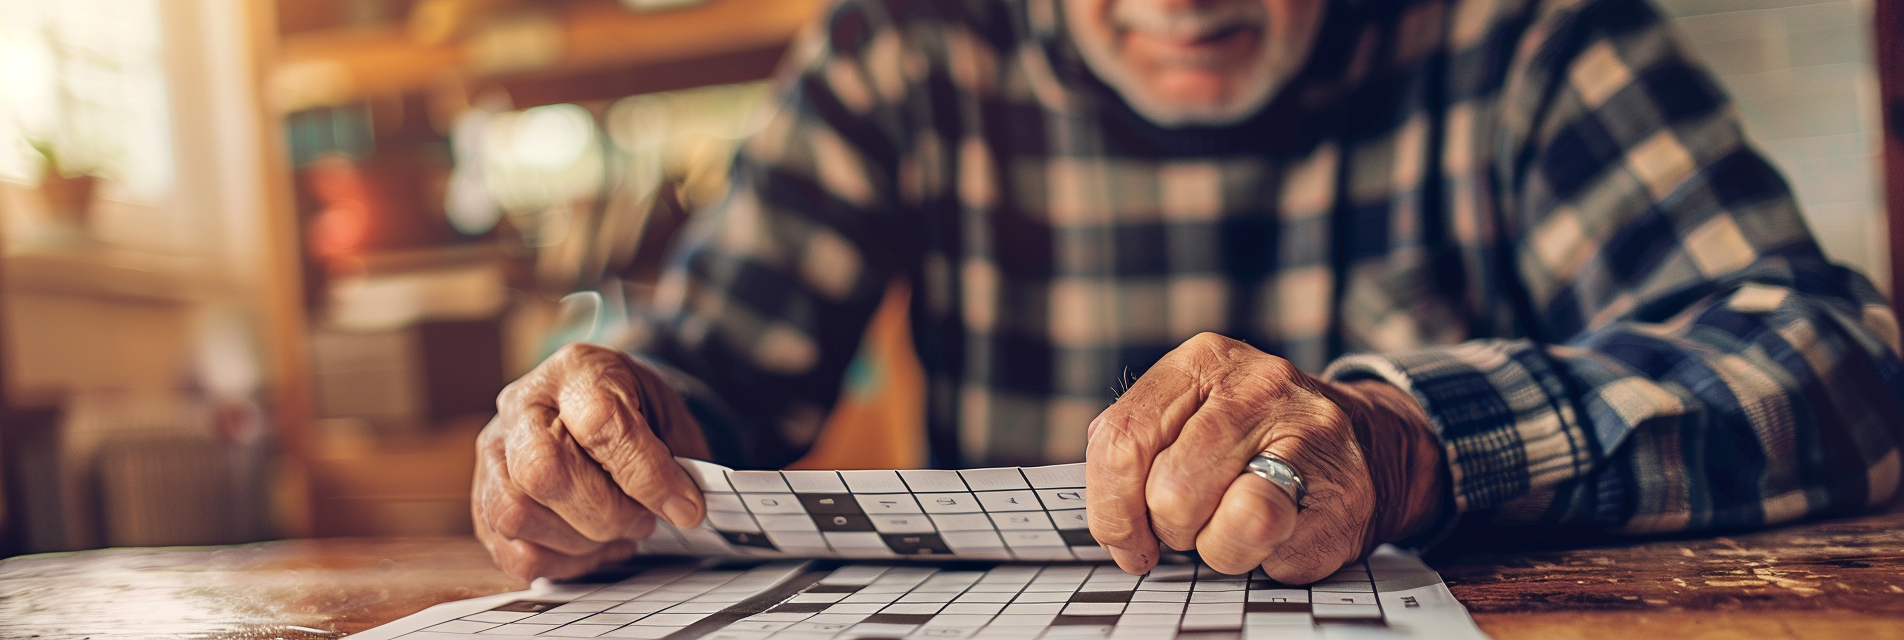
(1010, 601)
(984, 520)
(1011, 513)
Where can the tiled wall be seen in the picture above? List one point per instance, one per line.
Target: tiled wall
(1803, 76)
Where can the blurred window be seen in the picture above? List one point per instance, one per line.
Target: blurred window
(86, 79)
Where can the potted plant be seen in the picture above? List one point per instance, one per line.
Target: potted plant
(67, 186)
(75, 138)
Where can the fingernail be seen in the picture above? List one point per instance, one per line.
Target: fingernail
(682, 512)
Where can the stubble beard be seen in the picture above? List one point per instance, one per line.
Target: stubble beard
(1272, 64)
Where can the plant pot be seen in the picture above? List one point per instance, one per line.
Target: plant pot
(69, 200)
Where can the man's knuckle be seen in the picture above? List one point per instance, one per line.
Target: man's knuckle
(541, 478)
(1222, 348)
(593, 432)
(1175, 515)
(1303, 442)
(1281, 371)
(511, 396)
(510, 515)
(1126, 439)
(491, 438)
(574, 351)
(1176, 495)
(1168, 502)
(1181, 538)
(1162, 503)
(618, 371)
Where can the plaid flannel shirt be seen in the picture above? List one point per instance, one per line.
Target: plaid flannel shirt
(1538, 216)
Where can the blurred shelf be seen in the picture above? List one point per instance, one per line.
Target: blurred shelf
(404, 485)
(103, 270)
(327, 68)
(538, 52)
(426, 258)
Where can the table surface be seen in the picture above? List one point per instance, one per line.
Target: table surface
(1831, 579)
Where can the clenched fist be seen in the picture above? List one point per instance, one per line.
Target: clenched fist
(1167, 462)
(578, 462)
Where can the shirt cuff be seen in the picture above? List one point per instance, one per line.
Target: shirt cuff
(1488, 408)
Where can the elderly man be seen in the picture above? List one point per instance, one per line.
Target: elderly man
(1507, 261)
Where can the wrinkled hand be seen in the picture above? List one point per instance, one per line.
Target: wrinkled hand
(1167, 461)
(577, 461)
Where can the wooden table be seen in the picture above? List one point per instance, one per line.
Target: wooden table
(1836, 579)
(1824, 580)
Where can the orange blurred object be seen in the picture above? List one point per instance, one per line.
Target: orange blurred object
(881, 426)
(340, 229)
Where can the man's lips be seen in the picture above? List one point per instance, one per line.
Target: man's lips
(1202, 50)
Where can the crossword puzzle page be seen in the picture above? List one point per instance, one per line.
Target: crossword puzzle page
(978, 553)
(1029, 513)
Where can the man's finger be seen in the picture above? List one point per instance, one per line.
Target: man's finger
(543, 462)
(1328, 531)
(1333, 524)
(514, 515)
(1189, 478)
(1316, 550)
(1123, 442)
(1254, 518)
(617, 436)
(1249, 406)
(508, 512)
(528, 560)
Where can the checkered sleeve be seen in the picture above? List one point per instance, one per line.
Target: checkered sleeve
(1692, 361)
(767, 294)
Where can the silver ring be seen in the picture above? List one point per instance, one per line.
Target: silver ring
(1280, 473)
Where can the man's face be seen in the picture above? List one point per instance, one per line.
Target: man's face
(1194, 62)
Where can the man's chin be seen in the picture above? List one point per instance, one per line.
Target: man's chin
(1192, 89)
(1177, 91)
(1191, 100)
